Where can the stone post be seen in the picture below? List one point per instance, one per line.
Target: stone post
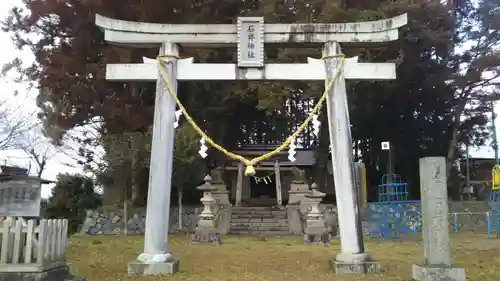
(299, 188)
(156, 259)
(435, 229)
(352, 257)
(297, 207)
(221, 194)
(315, 230)
(206, 231)
(239, 184)
(222, 206)
(360, 172)
(277, 179)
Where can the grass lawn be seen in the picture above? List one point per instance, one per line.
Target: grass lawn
(105, 258)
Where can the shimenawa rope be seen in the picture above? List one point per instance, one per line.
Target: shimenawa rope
(249, 163)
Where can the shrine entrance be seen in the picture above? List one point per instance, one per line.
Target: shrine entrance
(250, 34)
(262, 191)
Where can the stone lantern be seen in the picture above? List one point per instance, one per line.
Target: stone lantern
(206, 231)
(315, 230)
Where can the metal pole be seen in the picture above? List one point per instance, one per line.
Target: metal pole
(494, 129)
(467, 168)
(391, 170)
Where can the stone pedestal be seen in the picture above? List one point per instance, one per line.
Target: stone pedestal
(363, 266)
(347, 263)
(167, 267)
(438, 273)
(435, 229)
(222, 206)
(220, 193)
(57, 274)
(315, 230)
(206, 230)
(298, 191)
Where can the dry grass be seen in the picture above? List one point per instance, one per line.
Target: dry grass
(253, 259)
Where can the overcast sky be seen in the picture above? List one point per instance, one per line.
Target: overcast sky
(59, 163)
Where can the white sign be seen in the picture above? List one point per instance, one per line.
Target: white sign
(20, 198)
(386, 145)
(250, 41)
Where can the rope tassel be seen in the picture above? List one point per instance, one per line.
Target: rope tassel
(203, 148)
(178, 115)
(316, 124)
(250, 170)
(291, 151)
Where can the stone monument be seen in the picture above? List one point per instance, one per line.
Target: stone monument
(315, 230)
(250, 34)
(206, 230)
(435, 224)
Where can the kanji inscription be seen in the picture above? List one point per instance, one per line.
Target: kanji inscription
(250, 42)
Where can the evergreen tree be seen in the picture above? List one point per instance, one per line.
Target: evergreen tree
(413, 112)
(71, 196)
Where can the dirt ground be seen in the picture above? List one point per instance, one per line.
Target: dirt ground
(105, 258)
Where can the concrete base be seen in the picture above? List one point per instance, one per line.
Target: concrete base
(168, 267)
(324, 239)
(56, 274)
(438, 273)
(207, 238)
(363, 267)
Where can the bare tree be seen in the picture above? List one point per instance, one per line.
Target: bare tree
(37, 147)
(13, 125)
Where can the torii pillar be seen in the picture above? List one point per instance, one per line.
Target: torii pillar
(250, 34)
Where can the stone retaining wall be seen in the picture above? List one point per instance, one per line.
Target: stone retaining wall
(102, 222)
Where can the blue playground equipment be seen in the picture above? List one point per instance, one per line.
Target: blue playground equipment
(494, 213)
(394, 216)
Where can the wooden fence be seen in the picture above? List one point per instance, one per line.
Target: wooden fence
(33, 245)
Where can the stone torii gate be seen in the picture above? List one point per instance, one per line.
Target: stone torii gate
(250, 34)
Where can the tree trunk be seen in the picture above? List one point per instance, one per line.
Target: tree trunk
(180, 193)
(452, 148)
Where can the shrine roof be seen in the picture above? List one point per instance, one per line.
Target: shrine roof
(9, 173)
(303, 156)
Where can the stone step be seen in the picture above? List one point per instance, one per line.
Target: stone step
(257, 224)
(260, 233)
(253, 216)
(246, 220)
(258, 221)
(255, 208)
(258, 212)
(241, 229)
